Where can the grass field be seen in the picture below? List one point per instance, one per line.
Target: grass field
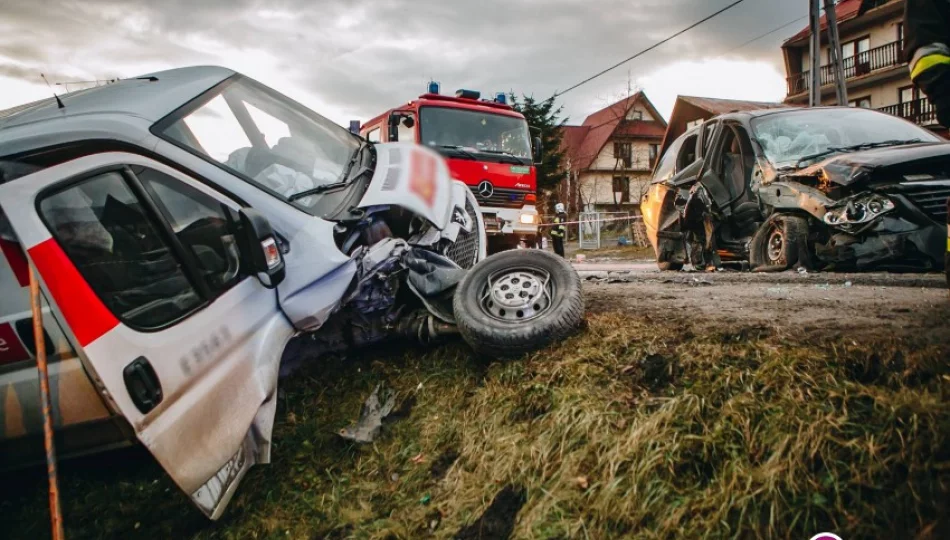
(630, 429)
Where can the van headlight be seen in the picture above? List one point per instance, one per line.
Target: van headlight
(528, 219)
(859, 211)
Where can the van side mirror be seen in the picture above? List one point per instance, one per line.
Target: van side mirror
(537, 150)
(394, 127)
(261, 249)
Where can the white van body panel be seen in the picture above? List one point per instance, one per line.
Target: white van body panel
(222, 360)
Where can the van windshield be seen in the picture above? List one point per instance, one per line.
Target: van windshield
(265, 138)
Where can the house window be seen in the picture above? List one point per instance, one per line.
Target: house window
(621, 185)
(624, 151)
(907, 94)
(854, 57)
(373, 136)
(864, 103)
(654, 151)
(900, 32)
(635, 115)
(855, 48)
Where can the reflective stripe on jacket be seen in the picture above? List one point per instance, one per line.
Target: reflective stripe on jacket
(559, 231)
(927, 35)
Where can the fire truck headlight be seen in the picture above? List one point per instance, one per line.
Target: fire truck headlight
(528, 219)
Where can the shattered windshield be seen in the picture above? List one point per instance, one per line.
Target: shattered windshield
(476, 132)
(798, 138)
(266, 138)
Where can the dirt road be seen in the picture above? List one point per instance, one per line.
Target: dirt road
(826, 305)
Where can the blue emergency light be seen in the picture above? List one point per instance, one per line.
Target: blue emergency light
(468, 94)
(433, 87)
(501, 98)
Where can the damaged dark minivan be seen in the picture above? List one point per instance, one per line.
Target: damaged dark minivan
(823, 188)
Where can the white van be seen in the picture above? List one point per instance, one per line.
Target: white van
(186, 225)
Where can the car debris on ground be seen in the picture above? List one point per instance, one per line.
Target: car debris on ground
(377, 407)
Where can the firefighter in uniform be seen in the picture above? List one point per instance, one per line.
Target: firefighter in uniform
(927, 47)
(559, 231)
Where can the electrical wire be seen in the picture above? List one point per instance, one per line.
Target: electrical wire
(650, 48)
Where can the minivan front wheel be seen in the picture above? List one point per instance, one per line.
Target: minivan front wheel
(779, 244)
(517, 302)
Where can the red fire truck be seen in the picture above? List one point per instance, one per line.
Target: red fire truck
(487, 145)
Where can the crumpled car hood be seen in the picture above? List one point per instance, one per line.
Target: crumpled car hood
(413, 177)
(857, 167)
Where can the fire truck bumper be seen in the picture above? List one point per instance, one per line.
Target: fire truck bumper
(521, 222)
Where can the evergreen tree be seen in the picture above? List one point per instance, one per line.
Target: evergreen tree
(545, 122)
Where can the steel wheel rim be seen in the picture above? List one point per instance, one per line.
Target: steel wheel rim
(517, 294)
(775, 246)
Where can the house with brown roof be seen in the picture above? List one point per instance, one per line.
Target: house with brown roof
(609, 158)
(689, 111)
(875, 67)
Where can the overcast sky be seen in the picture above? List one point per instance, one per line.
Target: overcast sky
(352, 59)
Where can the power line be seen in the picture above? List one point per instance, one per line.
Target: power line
(651, 47)
(765, 35)
(749, 42)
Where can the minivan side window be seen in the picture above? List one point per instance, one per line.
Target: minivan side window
(668, 162)
(106, 232)
(203, 225)
(687, 154)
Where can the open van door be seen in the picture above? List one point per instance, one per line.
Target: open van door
(158, 282)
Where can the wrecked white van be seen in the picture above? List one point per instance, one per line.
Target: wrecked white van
(186, 225)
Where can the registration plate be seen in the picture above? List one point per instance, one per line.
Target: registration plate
(492, 223)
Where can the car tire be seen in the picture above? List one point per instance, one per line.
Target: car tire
(517, 302)
(779, 244)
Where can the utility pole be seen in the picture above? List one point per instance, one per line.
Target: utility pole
(814, 24)
(841, 89)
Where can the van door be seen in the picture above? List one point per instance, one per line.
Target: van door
(143, 264)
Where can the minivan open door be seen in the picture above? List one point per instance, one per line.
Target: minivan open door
(154, 275)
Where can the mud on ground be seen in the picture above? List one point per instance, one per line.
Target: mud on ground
(825, 305)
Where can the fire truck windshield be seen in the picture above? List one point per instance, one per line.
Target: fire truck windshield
(492, 137)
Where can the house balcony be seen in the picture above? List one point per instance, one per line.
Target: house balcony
(865, 63)
(920, 112)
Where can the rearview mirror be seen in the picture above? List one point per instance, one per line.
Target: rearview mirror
(261, 249)
(537, 150)
(394, 127)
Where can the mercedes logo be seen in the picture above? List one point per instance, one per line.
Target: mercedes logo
(485, 189)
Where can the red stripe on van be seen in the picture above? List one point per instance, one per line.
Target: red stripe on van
(86, 315)
(17, 260)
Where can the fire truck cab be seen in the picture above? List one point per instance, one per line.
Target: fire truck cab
(487, 145)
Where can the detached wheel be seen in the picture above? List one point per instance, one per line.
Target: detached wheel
(778, 244)
(517, 302)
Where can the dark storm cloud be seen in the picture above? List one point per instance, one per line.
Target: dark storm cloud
(363, 56)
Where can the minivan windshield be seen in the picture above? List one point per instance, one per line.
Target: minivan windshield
(265, 138)
(494, 137)
(799, 138)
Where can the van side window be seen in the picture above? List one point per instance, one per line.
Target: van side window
(373, 135)
(105, 230)
(202, 224)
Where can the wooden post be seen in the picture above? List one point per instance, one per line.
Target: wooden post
(834, 50)
(39, 337)
(814, 92)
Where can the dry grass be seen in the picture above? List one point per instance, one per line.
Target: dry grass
(629, 429)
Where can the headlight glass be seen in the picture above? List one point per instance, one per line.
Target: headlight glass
(859, 211)
(528, 219)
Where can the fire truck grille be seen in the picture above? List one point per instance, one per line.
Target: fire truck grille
(503, 198)
(464, 251)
